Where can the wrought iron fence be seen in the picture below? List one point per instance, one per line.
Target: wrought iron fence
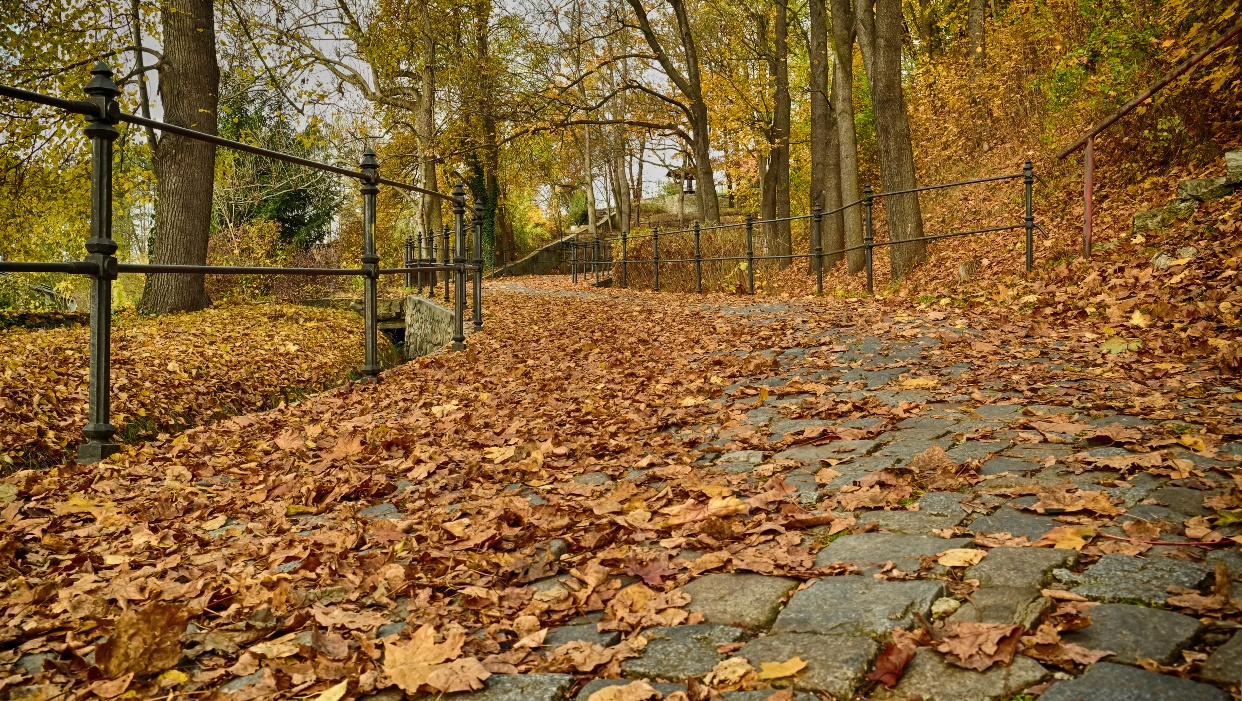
(103, 112)
(723, 256)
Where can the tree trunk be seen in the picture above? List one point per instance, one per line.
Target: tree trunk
(589, 182)
(780, 132)
(976, 16)
(425, 127)
(825, 142)
(185, 168)
(879, 35)
(490, 136)
(638, 181)
(843, 34)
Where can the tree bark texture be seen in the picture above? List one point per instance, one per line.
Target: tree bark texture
(781, 242)
(425, 126)
(879, 34)
(825, 142)
(185, 168)
(843, 36)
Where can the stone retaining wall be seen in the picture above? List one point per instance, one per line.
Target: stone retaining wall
(428, 327)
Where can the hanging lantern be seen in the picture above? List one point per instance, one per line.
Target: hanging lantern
(687, 182)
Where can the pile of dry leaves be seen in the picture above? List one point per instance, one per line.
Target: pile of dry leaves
(168, 373)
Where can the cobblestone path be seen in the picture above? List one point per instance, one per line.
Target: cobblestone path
(977, 415)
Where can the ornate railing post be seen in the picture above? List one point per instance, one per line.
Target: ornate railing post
(445, 250)
(478, 265)
(573, 258)
(750, 254)
(459, 260)
(868, 236)
(698, 260)
(429, 257)
(101, 249)
(625, 254)
(370, 264)
(409, 262)
(655, 257)
(817, 238)
(1028, 183)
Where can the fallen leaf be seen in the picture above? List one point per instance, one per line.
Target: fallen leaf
(961, 557)
(334, 693)
(779, 670)
(890, 665)
(978, 646)
(410, 664)
(1066, 537)
(634, 691)
(144, 641)
(113, 688)
(729, 673)
(465, 674)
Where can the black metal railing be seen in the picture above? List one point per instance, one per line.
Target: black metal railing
(596, 255)
(103, 112)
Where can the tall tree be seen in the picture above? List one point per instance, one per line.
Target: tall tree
(184, 167)
(690, 84)
(825, 138)
(776, 177)
(880, 30)
(843, 35)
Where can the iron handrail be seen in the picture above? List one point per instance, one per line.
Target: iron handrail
(1129, 107)
(86, 107)
(275, 155)
(960, 183)
(60, 103)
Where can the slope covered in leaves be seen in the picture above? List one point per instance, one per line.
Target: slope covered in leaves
(168, 373)
(428, 532)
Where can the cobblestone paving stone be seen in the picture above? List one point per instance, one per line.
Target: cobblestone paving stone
(853, 605)
(834, 664)
(677, 653)
(928, 676)
(1105, 681)
(739, 599)
(1133, 633)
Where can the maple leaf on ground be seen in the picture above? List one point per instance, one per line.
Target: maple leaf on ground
(634, 691)
(978, 646)
(581, 655)
(465, 674)
(1113, 434)
(1046, 646)
(144, 641)
(1141, 530)
(891, 663)
(1002, 539)
(1066, 538)
(730, 674)
(410, 664)
(780, 670)
(652, 571)
(961, 557)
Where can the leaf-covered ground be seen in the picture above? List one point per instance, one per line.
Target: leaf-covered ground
(168, 373)
(594, 453)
